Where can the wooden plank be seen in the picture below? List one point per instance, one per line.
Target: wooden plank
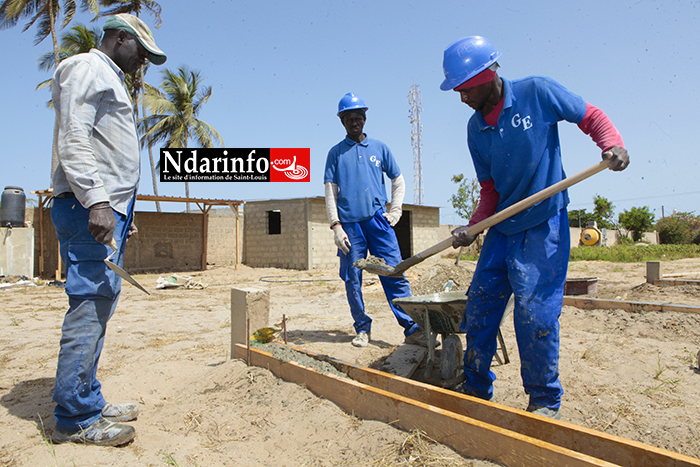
(680, 274)
(677, 282)
(586, 303)
(613, 449)
(467, 436)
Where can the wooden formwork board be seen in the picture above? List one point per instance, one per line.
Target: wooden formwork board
(473, 427)
(586, 303)
(665, 281)
(614, 449)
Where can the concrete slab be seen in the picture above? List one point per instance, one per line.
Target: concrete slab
(404, 360)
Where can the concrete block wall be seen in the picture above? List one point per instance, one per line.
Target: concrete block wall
(17, 251)
(324, 253)
(425, 222)
(290, 248)
(165, 242)
(221, 237)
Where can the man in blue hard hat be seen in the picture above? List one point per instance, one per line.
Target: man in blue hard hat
(514, 145)
(355, 203)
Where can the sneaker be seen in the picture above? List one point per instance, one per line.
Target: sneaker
(544, 411)
(120, 412)
(101, 433)
(361, 340)
(419, 338)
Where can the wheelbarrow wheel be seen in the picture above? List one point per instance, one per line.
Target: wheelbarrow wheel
(451, 357)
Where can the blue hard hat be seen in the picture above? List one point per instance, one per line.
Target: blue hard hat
(351, 102)
(465, 58)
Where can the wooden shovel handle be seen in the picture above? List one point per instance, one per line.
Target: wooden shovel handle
(536, 198)
(505, 214)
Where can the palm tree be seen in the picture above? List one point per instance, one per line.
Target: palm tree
(174, 109)
(46, 12)
(134, 7)
(80, 39)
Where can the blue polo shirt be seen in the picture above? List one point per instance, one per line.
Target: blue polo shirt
(522, 154)
(358, 169)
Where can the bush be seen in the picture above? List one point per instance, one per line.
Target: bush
(637, 220)
(680, 228)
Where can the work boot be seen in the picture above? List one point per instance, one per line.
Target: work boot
(419, 338)
(120, 412)
(544, 411)
(462, 390)
(361, 340)
(101, 433)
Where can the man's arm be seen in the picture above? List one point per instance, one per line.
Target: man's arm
(398, 192)
(601, 130)
(488, 202)
(340, 237)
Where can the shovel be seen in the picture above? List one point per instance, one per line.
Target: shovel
(378, 265)
(120, 272)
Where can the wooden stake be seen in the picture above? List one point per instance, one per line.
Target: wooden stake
(284, 328)
(247, 341)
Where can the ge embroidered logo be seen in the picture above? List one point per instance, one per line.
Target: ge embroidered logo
(516, 121)
(376, 161)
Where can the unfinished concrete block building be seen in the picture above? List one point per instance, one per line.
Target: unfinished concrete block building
(294, 233)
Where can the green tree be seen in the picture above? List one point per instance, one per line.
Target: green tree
(466, 200)
(174, 110)
(135, 7)
(637, 220)
(603, 211)
(43, 13)
(580, 218)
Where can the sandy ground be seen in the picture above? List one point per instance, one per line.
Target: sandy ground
(630, 374)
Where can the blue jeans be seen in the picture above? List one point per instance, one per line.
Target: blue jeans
(532, 266)
(376, 235)
(93, 291)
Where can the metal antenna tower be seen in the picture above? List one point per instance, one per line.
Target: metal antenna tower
(416, 141)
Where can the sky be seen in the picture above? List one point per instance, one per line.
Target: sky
(278, 69)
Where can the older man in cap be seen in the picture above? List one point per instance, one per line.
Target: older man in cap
(95, 174)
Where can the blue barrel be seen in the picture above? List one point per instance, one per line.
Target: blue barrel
(13, 206)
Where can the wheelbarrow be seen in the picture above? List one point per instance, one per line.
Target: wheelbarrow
(442, 313)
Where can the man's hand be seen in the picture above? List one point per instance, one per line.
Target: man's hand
(619, 159)
(460, 237)
(393, 216)
(102, 222)
(341, 239)
(133, 230)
